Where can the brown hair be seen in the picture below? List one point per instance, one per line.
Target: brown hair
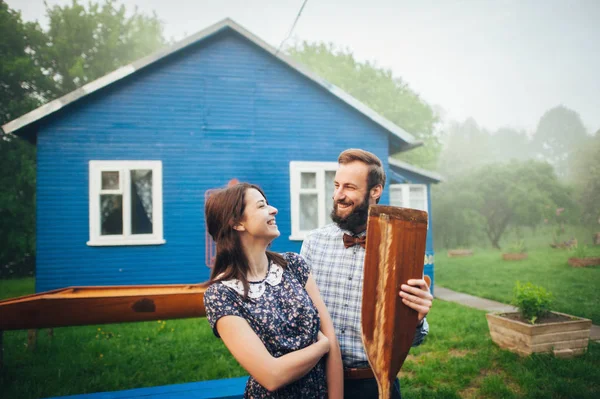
(223, 210)
(376, 172)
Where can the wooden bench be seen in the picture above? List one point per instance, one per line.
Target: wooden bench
(231, 388)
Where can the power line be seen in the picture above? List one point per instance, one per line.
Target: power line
(293, 26)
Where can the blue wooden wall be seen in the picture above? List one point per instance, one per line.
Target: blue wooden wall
(219, 110)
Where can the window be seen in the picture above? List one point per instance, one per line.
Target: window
(311, 190)
(409, 196)
(125, 203)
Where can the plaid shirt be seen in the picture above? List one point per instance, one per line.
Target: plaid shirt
(338, 272)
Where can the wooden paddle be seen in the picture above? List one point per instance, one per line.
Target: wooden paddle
(395, 253)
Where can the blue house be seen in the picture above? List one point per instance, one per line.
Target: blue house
(124, 163)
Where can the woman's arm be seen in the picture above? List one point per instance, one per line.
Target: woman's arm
(335, 369)
(270, 372)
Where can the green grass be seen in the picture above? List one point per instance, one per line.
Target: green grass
(576, 290)
(11, 288)
(457, 360)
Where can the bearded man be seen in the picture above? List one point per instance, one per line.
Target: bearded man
(335, 254)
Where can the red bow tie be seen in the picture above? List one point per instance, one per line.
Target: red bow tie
(350, 241)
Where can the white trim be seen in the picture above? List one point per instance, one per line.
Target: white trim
(95, 190)
(296, 169)
(411, 168)
(405, 196)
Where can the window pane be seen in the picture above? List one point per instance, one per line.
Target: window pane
(110, 180)
(308, 212)
(111, 214)
(329, 188)
(417, 198)
(141, 202)
(396, 196)
(308, 180)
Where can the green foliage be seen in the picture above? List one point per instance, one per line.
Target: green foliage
(532, 301)
(517, 193)
(559, 132)
(585, 168)
(376, 87)
(579, 251)
(82, 44)
(518, 247)
(22, 83)
(86, 43)
(17, 205)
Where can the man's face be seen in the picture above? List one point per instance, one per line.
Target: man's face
(351, 198)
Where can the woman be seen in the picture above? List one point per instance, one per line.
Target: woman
(266, 306)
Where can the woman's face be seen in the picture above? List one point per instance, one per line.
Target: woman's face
(259, 218)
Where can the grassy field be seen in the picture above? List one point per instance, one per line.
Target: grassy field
(458, 360)
(576, 290)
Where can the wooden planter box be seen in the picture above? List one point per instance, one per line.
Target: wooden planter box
(564, 338)
(460, 252)
(511, 256)
(584, 262)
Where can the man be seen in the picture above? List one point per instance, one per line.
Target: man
(338, 267)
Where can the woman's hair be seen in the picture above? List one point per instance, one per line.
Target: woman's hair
(223, 210)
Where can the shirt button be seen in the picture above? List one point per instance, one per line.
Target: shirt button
(349, 278)
(343, 331)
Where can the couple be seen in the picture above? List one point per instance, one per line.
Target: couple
(268, 308)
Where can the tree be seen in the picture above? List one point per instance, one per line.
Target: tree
(518, 193)
(84, 44)
(559, 132)
(377, 88)
(22, 84)
(80, 46)
(586, 175)
(23, 87)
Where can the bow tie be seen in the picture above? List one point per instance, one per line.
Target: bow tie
(350, 241)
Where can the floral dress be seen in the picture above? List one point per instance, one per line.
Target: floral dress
(281, 313)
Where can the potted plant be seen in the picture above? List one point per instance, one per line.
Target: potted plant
(581, 257)
(517, 251)
(535, 329)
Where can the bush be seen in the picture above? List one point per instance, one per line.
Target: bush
(532, 301)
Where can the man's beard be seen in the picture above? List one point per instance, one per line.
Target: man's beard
(357, 220)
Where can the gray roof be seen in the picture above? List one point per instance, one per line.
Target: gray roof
(413, 169)
(55, 105)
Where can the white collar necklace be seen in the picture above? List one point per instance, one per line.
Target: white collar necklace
(257, 288)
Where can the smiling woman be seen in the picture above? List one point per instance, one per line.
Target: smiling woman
(266, 306)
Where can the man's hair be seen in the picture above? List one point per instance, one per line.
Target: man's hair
(376, 173)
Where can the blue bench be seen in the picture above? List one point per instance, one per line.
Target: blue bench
(231, 388)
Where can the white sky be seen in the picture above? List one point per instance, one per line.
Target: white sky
(502, 62)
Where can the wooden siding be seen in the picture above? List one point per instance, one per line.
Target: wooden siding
(222, 109)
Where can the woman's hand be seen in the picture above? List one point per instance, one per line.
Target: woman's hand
(323, 341)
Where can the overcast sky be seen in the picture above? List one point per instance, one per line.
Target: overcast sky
(502, 62)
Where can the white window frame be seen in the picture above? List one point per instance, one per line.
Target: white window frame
(95, 189)
(296, 169)
(405, 190)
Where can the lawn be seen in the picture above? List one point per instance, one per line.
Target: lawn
(576, 290)
(458, 360)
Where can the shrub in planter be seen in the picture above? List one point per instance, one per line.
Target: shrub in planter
(516, 251)
(532, 301)
(581, 257)
(535, 328)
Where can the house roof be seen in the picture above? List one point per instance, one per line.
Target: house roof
(26, 122)
(400, 167)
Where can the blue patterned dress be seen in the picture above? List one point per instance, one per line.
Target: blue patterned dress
(281, 313)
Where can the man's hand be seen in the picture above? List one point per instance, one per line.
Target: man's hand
(415, 294)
